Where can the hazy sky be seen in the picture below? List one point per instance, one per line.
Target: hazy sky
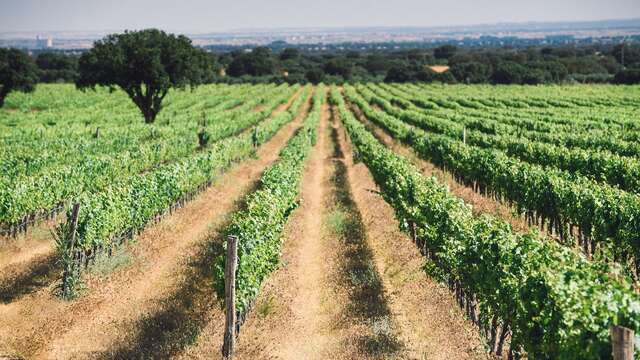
(215, 15)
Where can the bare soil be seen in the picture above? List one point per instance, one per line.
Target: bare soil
(154, 305)
(294, 315)
(429, 322)
(350, 286)
(27, 263)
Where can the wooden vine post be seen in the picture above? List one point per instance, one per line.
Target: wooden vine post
(74, 224)
(71, 265)
(622, 343)
(229, 343)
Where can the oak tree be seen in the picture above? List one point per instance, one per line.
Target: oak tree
(145, 64)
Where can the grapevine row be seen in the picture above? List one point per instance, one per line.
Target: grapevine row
(603, 220)
(534, 296)
(260, 225)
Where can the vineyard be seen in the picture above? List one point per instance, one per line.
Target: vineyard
(359, 221)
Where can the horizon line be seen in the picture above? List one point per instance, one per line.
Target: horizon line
(318, 28)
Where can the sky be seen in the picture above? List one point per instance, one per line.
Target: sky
(194, 16)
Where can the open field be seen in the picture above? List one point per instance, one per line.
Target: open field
(374, 221)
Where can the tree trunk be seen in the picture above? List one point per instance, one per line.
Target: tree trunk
(3, 94)
(149, 116)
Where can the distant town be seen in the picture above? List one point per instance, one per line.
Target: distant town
(370, 39)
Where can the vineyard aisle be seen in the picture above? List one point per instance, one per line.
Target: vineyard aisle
(344, 289)
(429, 321)
(296, 313)
(307, 308)
(156, 303)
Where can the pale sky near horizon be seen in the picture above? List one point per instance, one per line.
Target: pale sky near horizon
(215, 15)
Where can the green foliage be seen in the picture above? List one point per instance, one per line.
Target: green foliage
(129, 205)
(628, 76)
(51, 166)
(608, 217)
(556, 303)
(56, 67)
(144, 64)
(508, 72)
(471, 72)
(260, 225)
(445, 51)
(17, 73)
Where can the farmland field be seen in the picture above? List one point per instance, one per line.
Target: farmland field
(373, 220)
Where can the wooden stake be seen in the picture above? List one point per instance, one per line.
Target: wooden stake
(464, 135)
(230, 297)
(622, 343)
(74, 223)
(414, 232)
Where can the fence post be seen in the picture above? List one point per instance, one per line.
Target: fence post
(230, 297)
(622, 343)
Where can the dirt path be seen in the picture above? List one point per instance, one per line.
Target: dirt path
(325, 301)
(27, 262)
(292, 315)
(292, 318)
(36, 242)
(430, 324)
(155, 305)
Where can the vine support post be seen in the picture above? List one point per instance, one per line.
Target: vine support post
(414, 233)
(71, 262)
(622, 340)
(74, 224)
(464, 135)
(229, 343)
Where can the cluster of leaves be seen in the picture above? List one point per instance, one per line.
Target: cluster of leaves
(259, 226)
(601, 165)
(556, 303)
(610, 217)
(131, 204)
(17, 72)
(108, 215)
(97, 163)
(57, 67)
(533, 65)
(145, 64)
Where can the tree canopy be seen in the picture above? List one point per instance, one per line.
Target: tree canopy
(18, 72)
(145, 64)
(57, 67)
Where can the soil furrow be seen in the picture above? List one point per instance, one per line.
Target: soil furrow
(430, 324)
(161, 283)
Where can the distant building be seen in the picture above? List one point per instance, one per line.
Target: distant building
(439, 68)
(44, 43)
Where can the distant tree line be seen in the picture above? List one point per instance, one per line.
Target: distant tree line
(599, 63)
(535, 65)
